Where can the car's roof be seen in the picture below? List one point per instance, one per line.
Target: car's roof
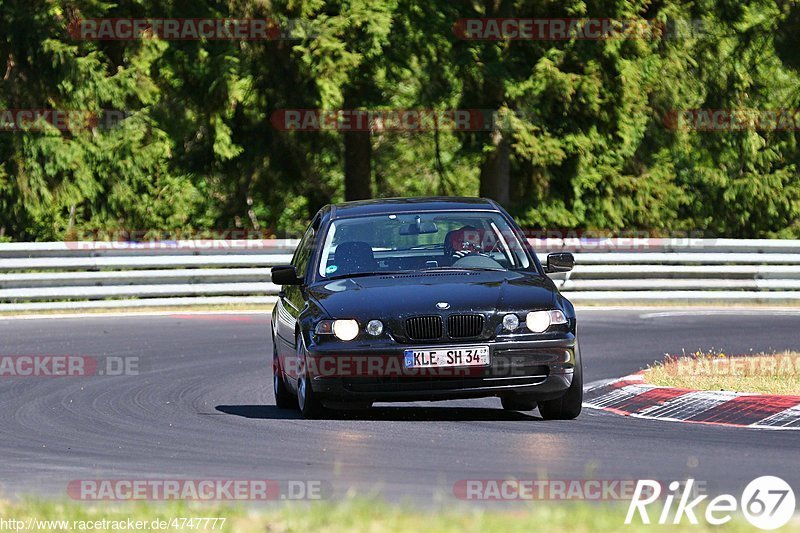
(405, 205)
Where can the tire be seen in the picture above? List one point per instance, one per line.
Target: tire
(569, 405)
(283, 398)
(516, 403)
(307, 401)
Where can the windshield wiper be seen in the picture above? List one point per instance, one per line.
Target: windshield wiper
(485, 269)
(364, 274)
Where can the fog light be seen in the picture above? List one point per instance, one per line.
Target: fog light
(375, 327)
(345, 330)
(538, 321)
(511, 322)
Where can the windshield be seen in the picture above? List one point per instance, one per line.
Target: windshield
(407, 242)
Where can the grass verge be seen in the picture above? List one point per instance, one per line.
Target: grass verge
(777, 373)
(350, 515)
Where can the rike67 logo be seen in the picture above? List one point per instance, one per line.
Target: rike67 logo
(767, 502)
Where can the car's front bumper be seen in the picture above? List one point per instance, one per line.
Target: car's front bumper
(539, 369)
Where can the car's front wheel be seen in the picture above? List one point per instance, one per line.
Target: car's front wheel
(569, 405)
(310, 406)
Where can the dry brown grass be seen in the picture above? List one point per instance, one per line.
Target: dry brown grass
(777, 373)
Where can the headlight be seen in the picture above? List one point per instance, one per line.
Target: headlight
(511, 322)
(539, 321)
(375, 327)
(345, 330)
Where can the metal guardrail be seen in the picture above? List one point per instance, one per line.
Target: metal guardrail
(81, 275)
(64, 275)
(679, 270)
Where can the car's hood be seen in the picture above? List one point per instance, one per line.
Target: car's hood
(419, 293)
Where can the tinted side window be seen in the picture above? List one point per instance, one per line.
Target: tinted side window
(303, 252)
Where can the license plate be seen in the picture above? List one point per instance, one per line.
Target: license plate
(444, 357)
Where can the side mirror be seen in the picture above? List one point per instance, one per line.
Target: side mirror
(560, 262)
(285, 275)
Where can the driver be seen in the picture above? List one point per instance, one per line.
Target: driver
(464, 241)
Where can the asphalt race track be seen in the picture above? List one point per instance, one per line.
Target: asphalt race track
(202, 407)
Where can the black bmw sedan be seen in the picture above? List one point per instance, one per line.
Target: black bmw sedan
(422, 299)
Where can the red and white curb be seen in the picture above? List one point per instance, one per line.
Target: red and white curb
(631, 396)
